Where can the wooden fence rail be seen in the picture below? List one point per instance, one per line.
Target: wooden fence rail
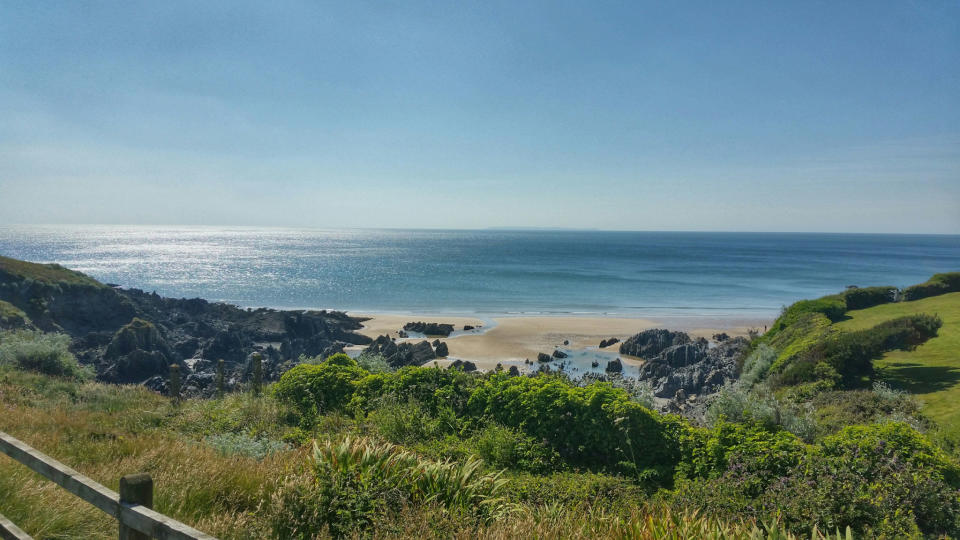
(135, 518)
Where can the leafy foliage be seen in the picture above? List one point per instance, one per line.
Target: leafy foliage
(936, 285)
(44, 353)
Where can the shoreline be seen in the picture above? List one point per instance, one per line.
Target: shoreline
(510, 339)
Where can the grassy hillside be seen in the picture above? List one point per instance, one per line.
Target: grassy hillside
(51, 274)
(932, 370)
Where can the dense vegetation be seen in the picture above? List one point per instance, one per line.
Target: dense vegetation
(814, 437)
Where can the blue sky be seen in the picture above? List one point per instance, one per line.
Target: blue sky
(759, 116)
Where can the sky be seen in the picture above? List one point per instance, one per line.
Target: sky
(734, 116)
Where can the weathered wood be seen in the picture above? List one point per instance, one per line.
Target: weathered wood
(135, 516)
(135, 489)
(9, 531)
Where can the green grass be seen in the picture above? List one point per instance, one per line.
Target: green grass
(932, 370)
(11, 315)
(51, 274)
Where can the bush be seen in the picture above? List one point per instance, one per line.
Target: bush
(409, 422)
(863, 298)
(835, 410)
(504, 447)
(882, 480)
(851, 354)
(938, 284)
(833, 307)
(316, 388)
(353, 481)
(757, 364)
(44, 353)
(243, 444)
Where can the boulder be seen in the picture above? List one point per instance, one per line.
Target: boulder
(614, 366)
(650, 343)
(557, 353)
(467, 327)
(466, 366)
(513, 371)
(608, 342)
(544, 357)
(429, 329)
(442, 350)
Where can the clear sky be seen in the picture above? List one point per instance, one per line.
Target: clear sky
(759, 116)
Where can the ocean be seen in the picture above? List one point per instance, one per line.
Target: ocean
(488, 272)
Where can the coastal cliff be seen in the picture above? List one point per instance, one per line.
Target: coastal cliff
(132, 336)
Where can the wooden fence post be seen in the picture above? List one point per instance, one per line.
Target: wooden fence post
(257, 373)
(135, 489)
(220, 378)
(175, 383)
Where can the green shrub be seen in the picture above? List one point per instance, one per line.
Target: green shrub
(44, 353)
(374, 363)
(851, 354)
(938, 284)
(833, 307)
(410, 422)
(431, 387)
(505, 447)
(244, 444)
(758, 406)
(353, 481)
(317, 388)
(757, 364)
(862, 298)
(835, 410)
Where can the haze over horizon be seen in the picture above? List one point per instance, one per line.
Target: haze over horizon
(812, 117)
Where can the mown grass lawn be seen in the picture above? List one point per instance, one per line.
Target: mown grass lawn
(932, 370)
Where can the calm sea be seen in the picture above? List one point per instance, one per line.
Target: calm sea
(488, 272)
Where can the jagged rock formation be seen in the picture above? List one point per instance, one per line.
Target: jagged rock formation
(544, 357)
(557, 353)
(650, 343)
(466, 366)
(687, 367)
(402, 354)
(130, 335)
(429, 329)
(604, 343)
(614, 366)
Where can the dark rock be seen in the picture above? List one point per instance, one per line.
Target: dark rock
(650, 343)
(594, 364)
(721, 337)
(608, 342)
(402, 334)
(614, 366)
(466, 366)
(557, 353)
(513, 371)
(544, 357)
(401, 354)
(566, 342)
(429, 329)
(442, 350)
(467, 327)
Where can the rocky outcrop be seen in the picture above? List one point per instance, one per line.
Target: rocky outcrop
(466, 366)
(130, 335)
(544, 357)
(604, 343)
(557, 353)
(402, 354)
(614, 366)
(429, 329)
(692, 368)
(650, 343)
(441, 350)
(137, 352)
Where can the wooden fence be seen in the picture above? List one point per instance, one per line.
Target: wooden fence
(131, 507)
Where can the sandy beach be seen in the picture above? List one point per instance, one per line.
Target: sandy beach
(512, 339)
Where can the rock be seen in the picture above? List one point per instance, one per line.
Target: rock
(467, 327)
(721, 337)
(650, 343)
(402, 334)
(466, 366)
(614, 366)
(557, 353)
(608, 342)
(429, 329)
(544, 357)
(566, 342)
(401, 354)
(513, 371)
(594, 364)
(136, 353)
(442, 351)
